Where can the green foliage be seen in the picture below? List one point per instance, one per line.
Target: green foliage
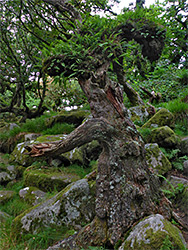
(167, 244)
(59, 128)
(76, 169)
(173, 156)
(145, 133)
(172, 191)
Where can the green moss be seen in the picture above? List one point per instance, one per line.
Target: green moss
(155, 239)
(48, 179)
(156, 160)
(161, 118)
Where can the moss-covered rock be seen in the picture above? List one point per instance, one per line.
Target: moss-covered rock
(48, 178)
(181, 205)
(5, 195)
(154, 233)
(19, 156)
(32, 195)
(161, 118)
(73, 207)
(72, 117)
(138, 113)
(184, 146)
(7, 173)
(164, 137)
(156, 160)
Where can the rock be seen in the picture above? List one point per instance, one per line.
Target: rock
(74, 156)
(174, 180)
(164, 137)
(72, 117)
(5, 196)
(161, 118)
(72, 207)
(185, 168)
(184, 146)
(31, 136)
(153, 233)
(7, 145)
(48, 178)
(156, 160)
(138, 113)
(181, 205)
(32, 195)
(13, 125)
(8, 175)
(3, 217)
(19, 156)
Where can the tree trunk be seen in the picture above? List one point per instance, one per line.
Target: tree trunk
(125, 188)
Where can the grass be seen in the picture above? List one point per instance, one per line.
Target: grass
(38, 125)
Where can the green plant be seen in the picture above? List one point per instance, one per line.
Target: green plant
(59, 128)
(167, 244)
(173, 191)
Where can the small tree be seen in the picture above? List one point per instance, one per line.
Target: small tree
(93, 48)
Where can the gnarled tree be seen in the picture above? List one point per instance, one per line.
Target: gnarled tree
(126, 190)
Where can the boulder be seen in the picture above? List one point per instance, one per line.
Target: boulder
(72, 117)
(32, 195)
(164, 137)
(161, 118)
(156, 160)
(8, 174)
(185, 168)
(154, 233)
(48, 178)
(138, 113)
(73, 207)
(5, 196)
(19, 156)
(184, 146)
(83, 155)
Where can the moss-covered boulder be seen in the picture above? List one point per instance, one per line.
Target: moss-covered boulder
(161, 118)
(184, 146)
(156, 160)
(164, 137)
(19, 156)
(7, 173)
(154, 233)
(32, 195)
(138, 113)
(7, 145)
(83, 155)
(6, 195)
(48, 178)
(73, 207)
(72, 117)
(181, 205)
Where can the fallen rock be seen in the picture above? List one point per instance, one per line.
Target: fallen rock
(48, 178)
(72, 207)
(138, 113)
(5, 196)
(184, 146)
(32, 195)
(153, 233)
(156, 160)
(164, 137)
(162, 118)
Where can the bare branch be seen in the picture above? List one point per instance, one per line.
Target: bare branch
(93, 129)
